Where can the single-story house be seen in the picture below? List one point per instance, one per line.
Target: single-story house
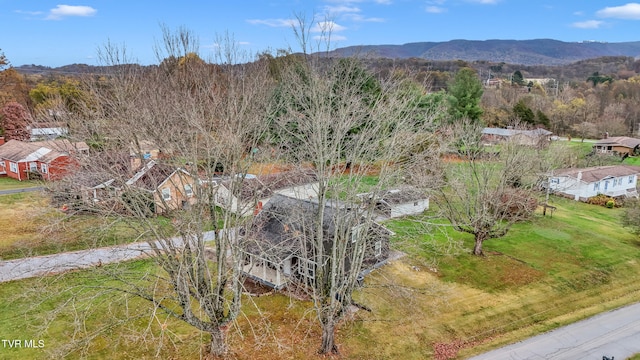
(617, 145)
(47, 160)
(278, 247)
(402, 201)
(47, 131)
(142, 152)
(170, 188)
(581, 184)
(537, 137)
(247, 196)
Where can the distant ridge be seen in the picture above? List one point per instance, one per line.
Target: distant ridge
(525, 52)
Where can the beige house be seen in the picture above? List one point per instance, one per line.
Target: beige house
(617, 145)
(170, 188)
(141, 152)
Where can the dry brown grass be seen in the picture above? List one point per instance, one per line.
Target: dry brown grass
(21, 217)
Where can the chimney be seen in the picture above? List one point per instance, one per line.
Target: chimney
(1, 140)
(579, 178)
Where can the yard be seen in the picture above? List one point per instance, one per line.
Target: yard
(31, 227)
(12, 184)
(435, 301)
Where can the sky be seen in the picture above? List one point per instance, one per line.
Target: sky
(55, 33)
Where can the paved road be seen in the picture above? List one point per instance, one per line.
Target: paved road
(613, 334)
(57, 263)
(15, 191)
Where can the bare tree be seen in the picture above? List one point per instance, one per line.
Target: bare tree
(339, 121)
(486, 192)
(163, 137)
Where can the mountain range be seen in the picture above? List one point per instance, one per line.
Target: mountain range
(546, 52)
(524, 52)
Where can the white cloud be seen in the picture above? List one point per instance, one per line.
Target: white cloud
(360, 18)
(331, 38)
(34, 13)
(327, 26)
(274, 22)
(62, 11)
(628, 11)
(435, 9)
(340, 9)
(589, 24)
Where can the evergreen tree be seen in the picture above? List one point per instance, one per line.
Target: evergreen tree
(465, 92)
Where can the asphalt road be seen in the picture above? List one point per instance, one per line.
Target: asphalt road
(15, 191)
(58, 263)
(612, 334)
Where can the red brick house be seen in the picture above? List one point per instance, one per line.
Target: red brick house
(49, 160)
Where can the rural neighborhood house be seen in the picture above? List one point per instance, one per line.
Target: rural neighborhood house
(47, 160)
(279, 244)
(581, 184)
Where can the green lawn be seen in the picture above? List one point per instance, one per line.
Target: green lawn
(31, 228)
(545, 273)
(11, 184)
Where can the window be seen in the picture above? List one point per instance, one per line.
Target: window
(307, 268)
(33, 166)
(13, 167)
(188, 190)
(555, 181)
(356, 233)
(377, 248)
(166, 194)
(630, 179)
(596, 186)
(415, 203)
(43, 168)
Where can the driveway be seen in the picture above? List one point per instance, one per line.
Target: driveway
(58, 263)
(612, 334)
(15, 191)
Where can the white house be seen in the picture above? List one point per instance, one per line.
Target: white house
(246, 197)
(403, 201)
(47, 131)
(581, 184)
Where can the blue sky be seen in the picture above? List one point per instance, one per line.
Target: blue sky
(55, 33)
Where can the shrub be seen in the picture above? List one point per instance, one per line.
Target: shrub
(611, 204)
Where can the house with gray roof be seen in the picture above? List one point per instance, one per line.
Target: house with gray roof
(245, 195)
(279, 245)
(537, 137)
(401, 201)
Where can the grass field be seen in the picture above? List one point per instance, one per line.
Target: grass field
(31, 227)
(545, 273)
(11, 184)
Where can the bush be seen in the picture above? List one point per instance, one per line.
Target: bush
(603, 200)
(515, 204)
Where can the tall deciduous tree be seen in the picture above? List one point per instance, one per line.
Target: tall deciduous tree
(198, 115)
(486, 193)
(466, 91)
(345, 125)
